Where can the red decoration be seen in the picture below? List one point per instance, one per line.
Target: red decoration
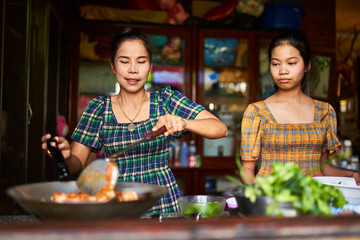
(144, 5)
(102, 46)
(221, 11)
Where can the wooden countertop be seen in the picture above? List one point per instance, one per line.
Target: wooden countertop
(337, 227)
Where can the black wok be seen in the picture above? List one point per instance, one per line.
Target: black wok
(35, 199)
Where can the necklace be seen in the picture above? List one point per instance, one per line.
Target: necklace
(131, 126)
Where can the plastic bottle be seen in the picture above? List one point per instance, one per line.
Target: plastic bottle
(348, 151)
(184, 154)
(171, 156)
(176, 145)
(192, 154)
(355, 163)
(198, 160)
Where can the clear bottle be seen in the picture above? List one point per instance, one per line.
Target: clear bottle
(176, 146)
(184, 155)
(192, 154)
(171, 156)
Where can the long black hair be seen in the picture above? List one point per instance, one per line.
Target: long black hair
(299, 42)
(129, 34)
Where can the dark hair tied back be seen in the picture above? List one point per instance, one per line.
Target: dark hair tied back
(129, 34)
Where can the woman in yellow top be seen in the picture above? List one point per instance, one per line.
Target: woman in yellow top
(290, 126)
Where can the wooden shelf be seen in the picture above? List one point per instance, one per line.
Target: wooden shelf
(192, 181)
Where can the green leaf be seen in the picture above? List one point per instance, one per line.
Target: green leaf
(287, 183)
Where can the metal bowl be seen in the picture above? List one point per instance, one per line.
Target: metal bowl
(244, 206)
(35, 199)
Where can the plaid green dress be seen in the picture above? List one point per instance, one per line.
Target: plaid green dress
(302, 143)
(147, 162)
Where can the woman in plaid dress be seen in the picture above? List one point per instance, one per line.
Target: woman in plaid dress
(112, 123)
(290, 126)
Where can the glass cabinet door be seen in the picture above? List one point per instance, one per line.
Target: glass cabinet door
(266, 83)
(168, 61)
(224, 74)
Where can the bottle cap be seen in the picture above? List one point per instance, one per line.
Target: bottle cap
(347, 143)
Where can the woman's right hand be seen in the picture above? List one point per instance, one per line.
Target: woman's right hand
(356, 176)
(62, 144)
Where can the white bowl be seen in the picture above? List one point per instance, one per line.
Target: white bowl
(357, 210)
(346, 185)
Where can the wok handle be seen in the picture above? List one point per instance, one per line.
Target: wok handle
(152, 135)
(62, 171)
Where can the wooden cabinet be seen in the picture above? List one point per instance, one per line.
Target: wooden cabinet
(34, 77)
(203, 180)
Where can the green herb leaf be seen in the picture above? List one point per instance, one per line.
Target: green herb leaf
(287, 184)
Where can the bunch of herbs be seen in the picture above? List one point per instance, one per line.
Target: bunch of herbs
(287, 184)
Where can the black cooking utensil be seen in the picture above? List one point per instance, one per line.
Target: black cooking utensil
(62, 171)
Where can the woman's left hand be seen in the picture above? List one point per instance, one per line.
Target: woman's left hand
(172, 123)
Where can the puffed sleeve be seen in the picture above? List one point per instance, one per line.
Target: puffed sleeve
(332, 141)
(175, 103)
(250, 134)
(87, 131)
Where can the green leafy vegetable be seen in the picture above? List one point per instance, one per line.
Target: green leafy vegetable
(287, 184)
(208, 209)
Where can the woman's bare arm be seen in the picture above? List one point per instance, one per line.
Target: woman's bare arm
(249, 170)
(204, 124)
(329, 170)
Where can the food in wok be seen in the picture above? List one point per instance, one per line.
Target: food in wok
(101, 197)
(90, 177)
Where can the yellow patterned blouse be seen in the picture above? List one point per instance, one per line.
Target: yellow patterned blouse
(302, 143)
